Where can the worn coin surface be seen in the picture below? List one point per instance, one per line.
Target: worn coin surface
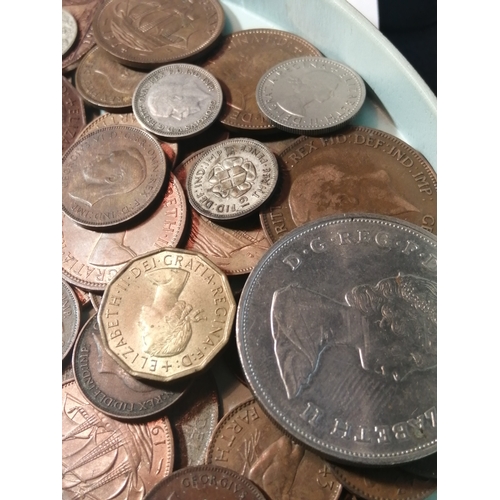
(91, 258)
(337, 335)
(149, 33)
(167, 314)
(246, 441)
(70, 318)
(177, 101)
(239, 63)
(232, 179)
(106, 459)
(234, 251)
(310, 95)
(359, 169)
(205, 482)
(110, 388)
(111, 175)
(105, 83)
(69, 31)
(73, 114)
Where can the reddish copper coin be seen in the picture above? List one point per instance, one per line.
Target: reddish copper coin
(73, 114)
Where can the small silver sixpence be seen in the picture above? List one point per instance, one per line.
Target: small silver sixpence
(177, 100)
(69, 31)
(310, 95)
(232, 179)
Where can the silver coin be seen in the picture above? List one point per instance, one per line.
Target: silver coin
(177, 100)
(70, 318)
(336, 331)
(69, 31)
(232, 179)
(310, 95)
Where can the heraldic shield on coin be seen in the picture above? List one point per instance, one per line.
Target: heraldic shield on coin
(350, 335)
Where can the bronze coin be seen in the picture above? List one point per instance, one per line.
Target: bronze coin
(247, 442)
(360, 170)
(240, 62)
(70, 318)
(73, 114)
(90, 258)
(111, 175)
(205, 482)
(110, 388)
(104, 458)
(146, 34)
(105, 83)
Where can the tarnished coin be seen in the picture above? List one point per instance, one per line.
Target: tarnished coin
(110, 388)
(232, 179)
(105, 83)
(357, 170)
(167, 314)
(150, 33)
(73, 114)
(90, 258)
(337, 334)
(205, 482)
(70, 318)
(234, 251)
(111, 175)
(69, 31)
(239, 63)
(310, 95)
(246, 441)
(177, 100)
(384, 483)
(106, 459)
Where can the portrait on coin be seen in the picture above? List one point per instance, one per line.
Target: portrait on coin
(108, 174)
(392, 325)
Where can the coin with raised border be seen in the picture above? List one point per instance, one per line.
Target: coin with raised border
(73, 114)
(70, 318)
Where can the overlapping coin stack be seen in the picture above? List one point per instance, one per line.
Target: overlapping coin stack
(248, 281)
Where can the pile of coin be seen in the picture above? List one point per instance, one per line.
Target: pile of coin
(249, 282)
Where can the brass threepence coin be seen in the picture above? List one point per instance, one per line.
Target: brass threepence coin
(232, 179)
(73, 114)
(310, 95)
(359, 170)
(177, 100)
(205, 482)
(146, 34)
(111, 175)
(337, 335)
(106, 459)
(247, 442)
(69, 31)
(70, 318)
(239, 63)
(105, 83)
(91, 258)
(167, 314)
(234, 251)
(110, 388)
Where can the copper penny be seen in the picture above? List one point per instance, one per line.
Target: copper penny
(90, 258)
(70, 318)
(360, 170)
(387, 483)
(239, 63)
(73, 114)
(167, 314)
(205, 482)
(106, 459)
(150, 33)
(111, 175)
(235, 251)
(83, 11)
(105, 83)
(110, 388)
(171, 149)
(247, 442)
